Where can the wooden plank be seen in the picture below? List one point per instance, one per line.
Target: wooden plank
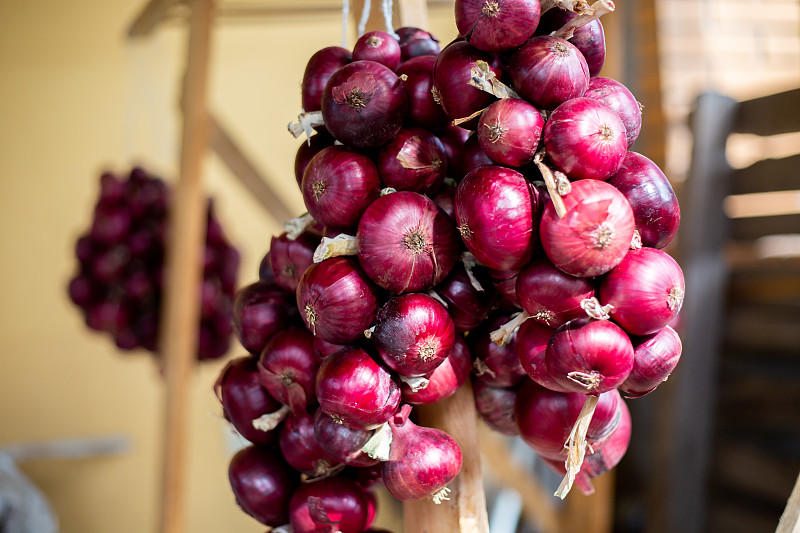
(790, 520)
(590, 514)
(768, 175)
(152, 13)
(764, 327)
(769, 115)
(465, 512)
(755, 227)
(754, 472)
(181, 307)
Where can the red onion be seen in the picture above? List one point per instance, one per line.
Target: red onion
(318, 71)
(466, 305)
(406, 243)
(413, 334)
(364, 104)
(547, 71)
(424, 109)
(497, 25)
(357, 390)
(495, 208)
(451, 75)
(288, 366)
(291, 257)
(378, 46)
(619, 99)
(110, 224)
(589, 39)
(300, 448)
(415, 42)
(495, 406)
(244, 400)
(446, 198)
(323, 349)
(263, 484)
(331, 504)
(445, 379)
(413, 161)
(654, 358)
(340, 442)
(532, 339)
(338, 185)
(509, 132)
(259, 311)
(655, 206)
(422, 461)
(646, 290)
(589, 356)
(585, 139)
(473, 156)
(496, 365)
(336, 300)
(506, 284)
(307, 150)
(549, 295)
(594, 235)
(453, 139)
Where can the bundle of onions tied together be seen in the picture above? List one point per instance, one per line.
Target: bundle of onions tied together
(522, 247)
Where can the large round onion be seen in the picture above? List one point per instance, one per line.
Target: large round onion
(378, 46)
(288, 366)
(509, 132)
(496, 214)
(364, 104)
(259, 311)
(318, 71)
(307, 150)
(497, 25)
(532, 340)
(263, 484)
(424, 109)
(413, 161)
(620, 100)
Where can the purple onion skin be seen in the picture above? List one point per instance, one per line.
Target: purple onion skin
(619, 99)
(356, 389)
(497, 26)
(474, 156)
(445, 198)
(495, 406)
(290, 258)
(339, 183)
(454, 138)
(406, 243)
(532, 340)
(323, 349)
(364, 104)
(646, 289)
(263, 484)
(318, 71)
(415, 42)
(589, 39)
(655, 206)
(547, 71)
(243, 399)
(495, 365)
(424, 110)
(585, 139)
(378, 46)
(307, 150)
(413, 334)
(445, 379)
(545, 418)
(299, 446)
(259, 311)
(467, 306)
(451, 74)
(549, 295)
(265, 272)
(413, 161)
(336, 300)
(339, 498)
(654, 358)
(507, 289)
(340, 442)
(287, 368)
(495, 208)
(597, 349)
(509, 132)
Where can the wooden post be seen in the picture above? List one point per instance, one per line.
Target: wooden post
(181, 309)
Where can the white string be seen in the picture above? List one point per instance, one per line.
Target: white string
(345, 16)
(362, 23)
(387, 17)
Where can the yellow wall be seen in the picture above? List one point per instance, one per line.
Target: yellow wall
(76, 99)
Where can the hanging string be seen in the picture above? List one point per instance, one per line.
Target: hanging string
(362, 23)
(387, 17)
(345, 16)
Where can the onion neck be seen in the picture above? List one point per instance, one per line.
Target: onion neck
(379, 444)
(296, 226)
(577, 445)
(502, 335)
(270, 421)
(338, 246)
(551, 184)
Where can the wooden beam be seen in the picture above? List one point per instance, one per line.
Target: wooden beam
(181, 307)
(150, 16)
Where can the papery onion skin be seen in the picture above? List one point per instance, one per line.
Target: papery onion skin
(445, 379)
(339, 183)
(288, 367)
(547, 71)
(413, 161)
(532, 340)
(291, 257)
(585, 139)
(545, 418)
(336, 300)
(594, 235)
(497, 25)
(415, 42)
(509, 132)
(495, 208)
(413, 334)
(495, 406)
(307, 150)
(466, 305)
(364, 104)
(259, 311)
(406, 243)
(343, 500)
(356, 389)
(378, 46)
(619, 99)
(646, 290)
(589, 39)
(551, 296)
(263, 484)
(318, 71)
(299, 446)
(424, 111)
(496, 365)
(340, 442)
(598, 350)
(654, 203)
(654, 358)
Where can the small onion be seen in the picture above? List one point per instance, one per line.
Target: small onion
(646, 290)
(589, 38)
(424, 109)
(496, 365)
(495, 406)
(263, 484)
(413, 161)
(259, 311)
(287, 368)
(549, 295)
(619, 99)
(341, 442)
(445, 379)
(335, 502)
(300, 448)
(466, 305)
(509, 132)
(415, 42)
(473, 156)
(453, 139)
(318, 71)
(497, 25)
(532, 340)
(307, 150)
(654, 358)
(378, 46)
(289, 258)
(445, 198)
